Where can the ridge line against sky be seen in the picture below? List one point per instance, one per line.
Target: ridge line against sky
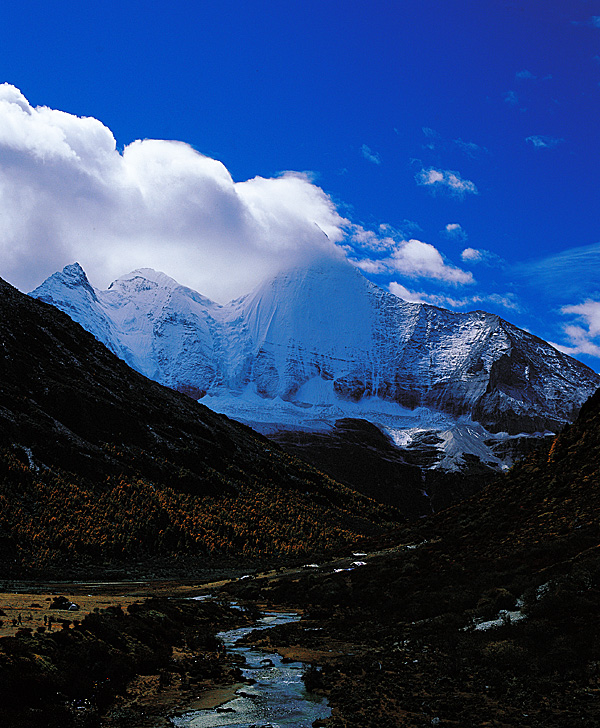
(450, 152)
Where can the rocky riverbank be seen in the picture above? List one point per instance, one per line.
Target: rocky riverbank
(117, 666)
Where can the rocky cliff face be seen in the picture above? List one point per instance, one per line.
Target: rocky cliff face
(322, 339)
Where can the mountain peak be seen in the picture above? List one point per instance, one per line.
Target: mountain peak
(75, 271)
(326, 266)
(72, 277)
(145, 278)
(326, 281)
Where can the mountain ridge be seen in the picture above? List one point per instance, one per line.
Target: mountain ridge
(322, 336)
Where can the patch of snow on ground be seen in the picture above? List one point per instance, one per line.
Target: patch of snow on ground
(504, 617)
(468, 437)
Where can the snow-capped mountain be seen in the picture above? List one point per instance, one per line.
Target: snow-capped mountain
(317, 343)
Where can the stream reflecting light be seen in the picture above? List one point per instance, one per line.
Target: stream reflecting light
(277, 698)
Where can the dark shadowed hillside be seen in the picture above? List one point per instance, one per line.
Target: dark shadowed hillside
(357, 453)
(99, 465)
(484, 615)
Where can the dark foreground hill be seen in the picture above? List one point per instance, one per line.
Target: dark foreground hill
(100, 466)
(484, 615)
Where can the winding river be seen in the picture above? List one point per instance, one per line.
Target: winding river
(277, 698)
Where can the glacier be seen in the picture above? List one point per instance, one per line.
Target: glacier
(319, 342)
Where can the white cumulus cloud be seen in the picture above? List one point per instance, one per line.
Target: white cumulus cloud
(447, 180)
(416, 259)
(406, 294)
(455, 231)
(472, 255)
(67, 193)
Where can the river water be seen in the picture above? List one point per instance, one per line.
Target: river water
(277, 698)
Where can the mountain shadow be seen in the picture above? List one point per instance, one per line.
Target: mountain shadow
(100, 466)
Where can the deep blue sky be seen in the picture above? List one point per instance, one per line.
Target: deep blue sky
(372, 100)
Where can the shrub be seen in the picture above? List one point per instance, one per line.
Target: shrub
(506, 655)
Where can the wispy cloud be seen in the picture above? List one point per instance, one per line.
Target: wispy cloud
(470, 148)
(447, 180)
(432, 137)
(435, 141)
(511, 98)
(383, 238)
(525, 74)
(508, 301)
(370, 155)
(472, 255)
(406, 229)
(584, 337)
(593, 22)
(567, 276)
(544, 142)
(368, 241)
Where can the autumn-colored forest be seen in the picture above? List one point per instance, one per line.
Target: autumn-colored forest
(51, 518)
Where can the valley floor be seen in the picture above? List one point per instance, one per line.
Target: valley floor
(394, 638)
